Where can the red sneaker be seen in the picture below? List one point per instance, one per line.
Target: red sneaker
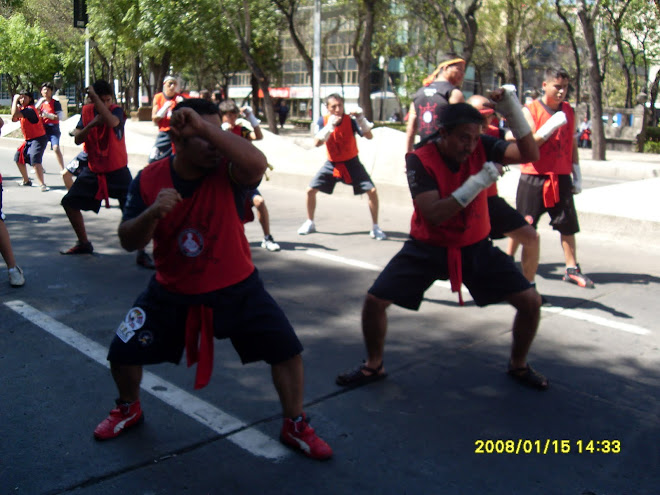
(575, 276)
(300, 436)
(120, 418)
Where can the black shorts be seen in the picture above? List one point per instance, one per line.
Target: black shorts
(82, 194)
(503, 217)
(350, 172)
(244, 313)
(162, 148)
(79, 163)
(529, 202)
(2, 215)
(34, 150)
(488, 273)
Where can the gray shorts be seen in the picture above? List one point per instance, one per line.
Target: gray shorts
(350, 172)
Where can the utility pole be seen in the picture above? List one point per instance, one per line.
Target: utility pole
(80, 20)
(316, 76)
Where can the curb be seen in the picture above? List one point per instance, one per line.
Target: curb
(397, 194)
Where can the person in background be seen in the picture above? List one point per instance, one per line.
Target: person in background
(229, 113)
(101, 129)
(441, 87)
(31, 152)
(161, 112)
(51, 114)
(337, 131)
(549, 183)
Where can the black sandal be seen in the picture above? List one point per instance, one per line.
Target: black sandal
(529, 377)
(356, 377)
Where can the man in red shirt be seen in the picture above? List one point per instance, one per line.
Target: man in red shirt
(231, 121)
(162, 106)
(51, 113)
(337, 131)
(546, 184)
(205, 283)
(448, 179)
(32, 150)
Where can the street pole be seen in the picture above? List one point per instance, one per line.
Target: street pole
(86, 58)
(316, 79)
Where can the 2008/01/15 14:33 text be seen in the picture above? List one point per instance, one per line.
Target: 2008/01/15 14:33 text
(547, 446)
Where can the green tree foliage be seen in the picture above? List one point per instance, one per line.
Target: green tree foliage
(256, 25)
(28, 55)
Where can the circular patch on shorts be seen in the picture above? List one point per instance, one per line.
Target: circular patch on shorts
(135, 318)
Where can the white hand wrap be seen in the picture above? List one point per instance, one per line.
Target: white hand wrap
(552, 124)
(164, 109)
(509, 107)
(226, 126)
(254, 122)
(325, 132)
(510, 87)
(476, 183)
(577, 179)
(365, 125)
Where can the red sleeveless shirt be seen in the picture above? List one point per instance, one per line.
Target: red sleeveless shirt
(341, 145)
(200, 246)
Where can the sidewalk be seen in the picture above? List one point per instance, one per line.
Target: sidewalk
(629, 208)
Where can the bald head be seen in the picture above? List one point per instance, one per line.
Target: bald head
(485, 107)
(479, 102)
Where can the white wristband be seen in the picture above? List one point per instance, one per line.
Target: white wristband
(476, 183)
(509, 107)
(164, 109)
(365, 125)
(557, 120)
(324, 133)
(577, 179)
(254, 122)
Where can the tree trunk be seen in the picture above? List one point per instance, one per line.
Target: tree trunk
(160, 68)
(595, 82)
(510, 44)
(363, 58)
(289, 12)
(136, 82)
(470, 28)
(262, 81)
(576, 52)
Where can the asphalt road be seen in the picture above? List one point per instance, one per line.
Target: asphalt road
(437, 425)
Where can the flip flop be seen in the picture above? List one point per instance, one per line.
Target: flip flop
(356, 377)
(529, 377)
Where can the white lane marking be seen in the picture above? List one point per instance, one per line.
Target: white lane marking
(345, 261)
(570, 313)
(210, 416)
(598, 320)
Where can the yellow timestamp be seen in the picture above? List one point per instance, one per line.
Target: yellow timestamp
(546, 446)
